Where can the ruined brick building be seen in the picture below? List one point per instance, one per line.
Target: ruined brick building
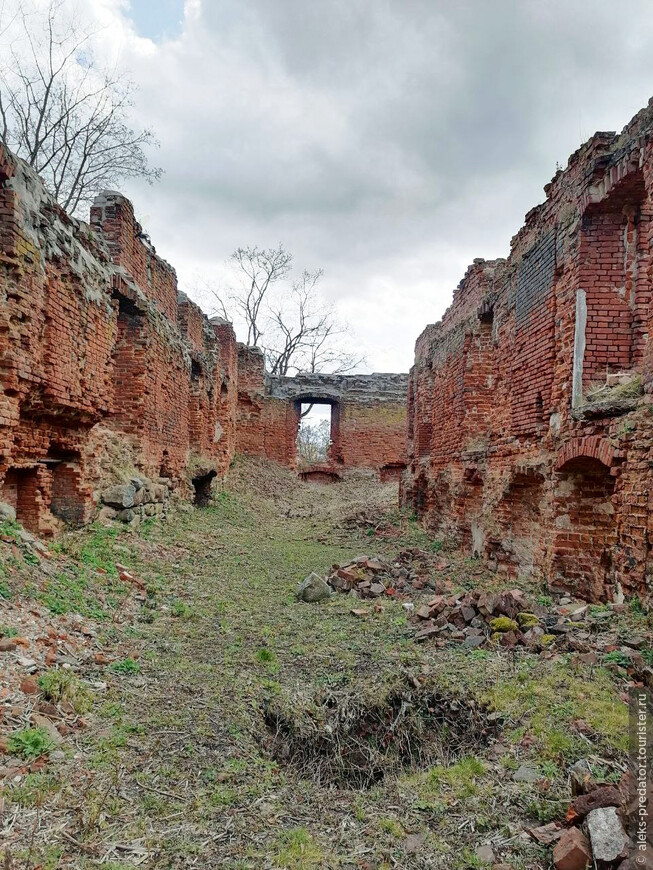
(530, 421)
(368, 416)
(109, 374)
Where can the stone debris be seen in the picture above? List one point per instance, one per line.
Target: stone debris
(411, 571)
(547, 834)
(580, 775)
(526, 773)
(313, 588)
(607, 836)
(603, 796)
(485, 854)
(473, 619)
(595, 834)
(572, 851)
(138, 500)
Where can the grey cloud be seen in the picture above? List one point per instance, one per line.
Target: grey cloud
(389, 141)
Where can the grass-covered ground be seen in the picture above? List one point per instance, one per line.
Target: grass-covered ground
(178, 766)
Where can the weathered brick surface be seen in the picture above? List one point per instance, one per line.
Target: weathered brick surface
(507, 453)
(103, 365)
(368, 415)
(107, 370)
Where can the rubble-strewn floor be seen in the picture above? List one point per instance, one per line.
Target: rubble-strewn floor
(212, 720)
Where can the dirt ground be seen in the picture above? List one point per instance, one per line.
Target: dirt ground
(210, 719)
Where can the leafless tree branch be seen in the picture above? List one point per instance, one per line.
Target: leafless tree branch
(62, 113)
(313, 441)
(297, 332)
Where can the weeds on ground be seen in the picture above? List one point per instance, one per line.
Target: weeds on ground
(125, 667)
(63, 685)
(30, 742)
(297, 850)
(185, 760)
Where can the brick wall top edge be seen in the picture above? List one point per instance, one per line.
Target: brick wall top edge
(595, 156)
(55, 235)
(377, 387)
(567, 195)
(108, 198)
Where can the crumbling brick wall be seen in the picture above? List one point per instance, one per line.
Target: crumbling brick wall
(529, 404)
(368, 415)
(104, 367)
(110, 374)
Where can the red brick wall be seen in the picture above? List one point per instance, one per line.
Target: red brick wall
(98, 358)
(506, 453)
(372, 436)
(226, 390)
(113, 215)
(368, 415)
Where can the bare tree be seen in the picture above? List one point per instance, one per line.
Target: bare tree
(61, 112)
(306, 335)
(288, 320)
(259, 270)
(313, 442)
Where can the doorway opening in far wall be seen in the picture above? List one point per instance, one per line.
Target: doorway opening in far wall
(314, 434)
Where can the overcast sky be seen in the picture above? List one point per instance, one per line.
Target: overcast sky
(387, 141)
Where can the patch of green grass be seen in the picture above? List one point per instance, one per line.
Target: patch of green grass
(68, 592)
(461, 778)
(94, 547)
(30, 742)
(30, 557)
(34, 789)
(228, 507)
(63, 685)
(8, 631)
(126, 667)
(545, 811)
(297, 850)
(181, 610)
(468, 860)
(43, 857)
(10, 529)
(549, 697)
(223, 796)
(5, 591)
(616, 657)
(392, 826)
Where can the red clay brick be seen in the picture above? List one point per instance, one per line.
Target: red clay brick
(501, 459)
